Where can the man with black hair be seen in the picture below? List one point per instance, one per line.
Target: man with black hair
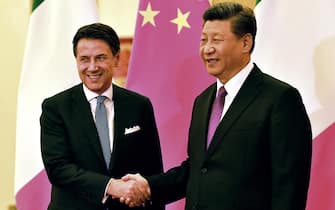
(250, 139)
(95, 132)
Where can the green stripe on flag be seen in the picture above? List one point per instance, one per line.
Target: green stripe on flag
(36, 3)
(257, 1)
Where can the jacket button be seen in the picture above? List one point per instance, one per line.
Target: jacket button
(203, 170)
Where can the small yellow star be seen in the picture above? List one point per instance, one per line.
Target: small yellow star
(148, 15)
(181, 20)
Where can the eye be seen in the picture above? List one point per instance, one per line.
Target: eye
(101, 58)
(216, 40)
(83, 59)
(203, 41)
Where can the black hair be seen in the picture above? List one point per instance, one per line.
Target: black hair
(97, 31)
(242, 18)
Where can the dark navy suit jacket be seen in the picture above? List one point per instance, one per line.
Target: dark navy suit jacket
(259, 158)
(72, 153)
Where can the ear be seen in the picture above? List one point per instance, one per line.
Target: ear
(116, 59)
(247, 42)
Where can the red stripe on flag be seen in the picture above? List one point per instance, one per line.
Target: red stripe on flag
(35, 194)
(322, 182)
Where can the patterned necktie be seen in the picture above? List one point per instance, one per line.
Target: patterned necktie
(102, 127)
(217, 109)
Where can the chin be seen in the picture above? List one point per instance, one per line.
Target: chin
(94, 88)
(212, 72)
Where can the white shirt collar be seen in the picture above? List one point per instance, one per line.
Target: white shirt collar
(235, 83)
(92, 95)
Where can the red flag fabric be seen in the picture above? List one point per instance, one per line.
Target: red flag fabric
(165, 65)
(322, 183)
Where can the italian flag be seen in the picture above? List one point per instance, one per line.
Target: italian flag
(48, 68)
(296, 43)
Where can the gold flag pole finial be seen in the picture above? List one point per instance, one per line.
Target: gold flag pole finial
(248, 3)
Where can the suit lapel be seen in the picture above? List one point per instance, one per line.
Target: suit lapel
(243, 99)
(120, 118)
(84, 118)
(204, 116)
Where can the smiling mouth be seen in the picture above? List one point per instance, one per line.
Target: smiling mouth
(94, 76)
(212, 60)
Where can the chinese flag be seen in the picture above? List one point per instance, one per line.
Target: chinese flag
(165, 65)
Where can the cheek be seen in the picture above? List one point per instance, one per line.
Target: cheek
(81, 67)
(221, 50)
(109, 72)
(201, 53)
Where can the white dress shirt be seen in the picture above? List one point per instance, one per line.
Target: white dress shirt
(91, 98)
(233, 86)
(109, 104)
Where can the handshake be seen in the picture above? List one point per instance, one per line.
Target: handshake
(132, 190)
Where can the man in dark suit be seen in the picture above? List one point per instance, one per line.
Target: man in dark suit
(260, 153)
(84, 171)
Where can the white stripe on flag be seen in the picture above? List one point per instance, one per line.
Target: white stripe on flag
(48, 68)
(292, 43)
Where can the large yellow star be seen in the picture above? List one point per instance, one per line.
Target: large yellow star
(148, 15)
(181, 20)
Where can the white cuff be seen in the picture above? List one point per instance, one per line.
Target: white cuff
(106, 196)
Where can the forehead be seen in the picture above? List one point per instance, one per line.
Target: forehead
(92, 44)
(217, 27)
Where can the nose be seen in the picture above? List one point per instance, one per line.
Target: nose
(209, 49)
(92, 66)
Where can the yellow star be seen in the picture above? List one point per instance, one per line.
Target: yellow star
(181, 20)
(148, 15)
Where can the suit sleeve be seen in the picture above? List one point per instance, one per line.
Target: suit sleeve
(170, 186)
(60, 167)
(153, 155)
(291, 150)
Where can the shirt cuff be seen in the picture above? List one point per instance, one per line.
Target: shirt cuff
(106, 196)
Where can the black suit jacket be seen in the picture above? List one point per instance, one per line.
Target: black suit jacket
(72, 153)
(259, 158)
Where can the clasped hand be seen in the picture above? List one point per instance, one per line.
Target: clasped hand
(132, 190)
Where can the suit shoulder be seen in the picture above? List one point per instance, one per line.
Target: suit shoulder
(122, 93)
(271, 83)
(275, 84)
(67, 93)
(208, 91)
(278, 89)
